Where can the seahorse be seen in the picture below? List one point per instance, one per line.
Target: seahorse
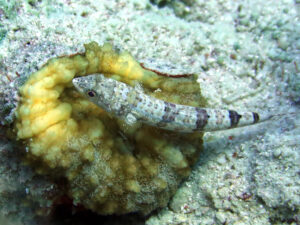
(134, 105)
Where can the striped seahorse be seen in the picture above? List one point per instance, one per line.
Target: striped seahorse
(133, 105)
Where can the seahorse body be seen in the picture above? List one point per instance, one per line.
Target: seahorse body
(133, 105)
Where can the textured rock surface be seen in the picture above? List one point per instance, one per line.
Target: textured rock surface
(246, 55)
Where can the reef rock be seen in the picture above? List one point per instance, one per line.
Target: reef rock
(110, 167)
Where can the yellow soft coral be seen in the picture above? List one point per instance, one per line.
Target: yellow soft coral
(106, 60)
(111, 167)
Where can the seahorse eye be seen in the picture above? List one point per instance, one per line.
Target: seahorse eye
(91, 93)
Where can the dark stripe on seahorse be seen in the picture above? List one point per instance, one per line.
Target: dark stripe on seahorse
(202, 118)
(234, 118)
(255, 117)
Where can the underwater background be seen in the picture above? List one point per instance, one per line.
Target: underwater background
(246, 57)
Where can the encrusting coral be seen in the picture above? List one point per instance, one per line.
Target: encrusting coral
(111, 167)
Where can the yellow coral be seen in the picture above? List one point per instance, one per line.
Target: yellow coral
(111, 167)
